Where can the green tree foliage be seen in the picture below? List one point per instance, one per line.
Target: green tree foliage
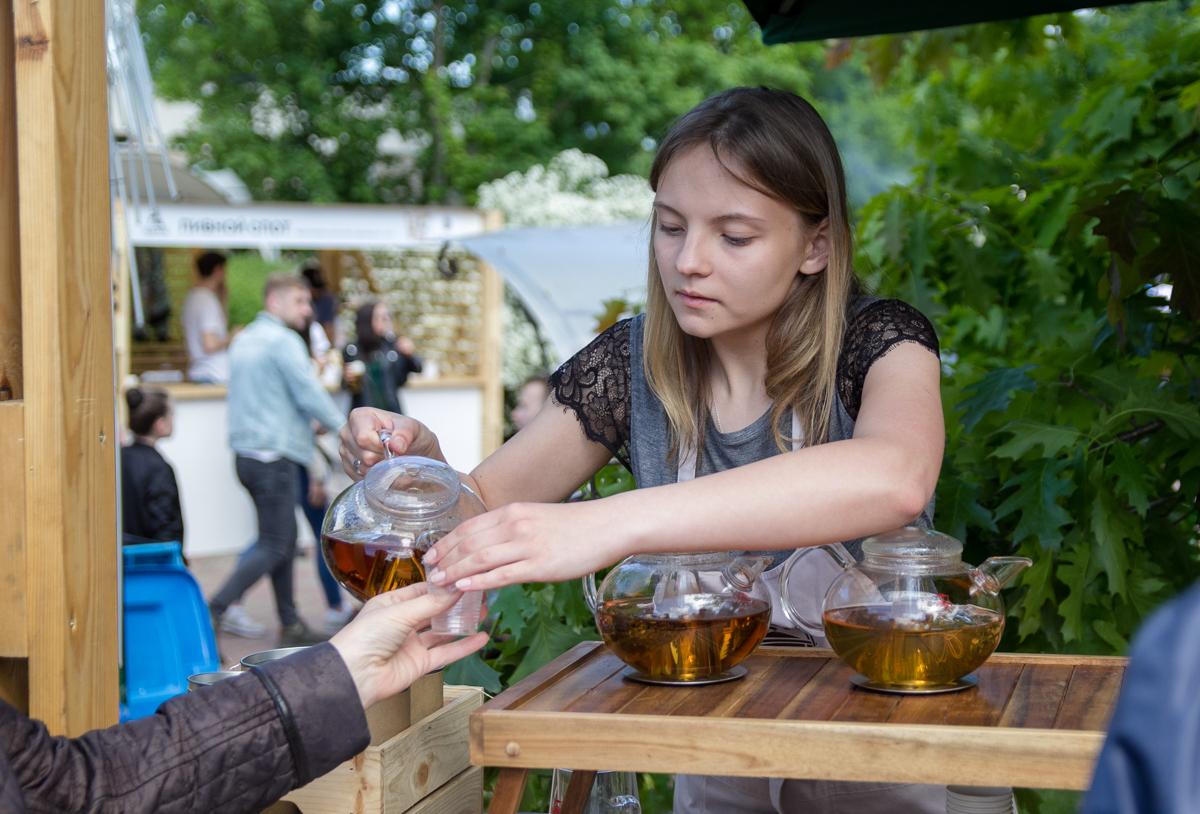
(423, 100)
(1056, 193)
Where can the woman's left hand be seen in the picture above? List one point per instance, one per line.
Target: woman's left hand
(527, 542)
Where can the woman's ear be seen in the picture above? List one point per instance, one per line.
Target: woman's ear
(816, 258)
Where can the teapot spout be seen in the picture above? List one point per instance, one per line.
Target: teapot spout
(742, 572)
(998, 572)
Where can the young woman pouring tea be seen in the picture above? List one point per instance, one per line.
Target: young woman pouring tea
(762, 402)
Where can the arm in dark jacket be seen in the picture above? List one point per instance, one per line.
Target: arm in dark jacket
(222, 750)
(162, 510)
(405, 366)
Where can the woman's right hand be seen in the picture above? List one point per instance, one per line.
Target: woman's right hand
(361, 444)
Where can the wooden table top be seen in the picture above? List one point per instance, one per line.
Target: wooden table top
(1034, 721)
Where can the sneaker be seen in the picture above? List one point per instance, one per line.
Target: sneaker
(300, 635)
(235, 620)
(335, 620)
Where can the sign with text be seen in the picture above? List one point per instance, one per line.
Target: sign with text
(301, 226)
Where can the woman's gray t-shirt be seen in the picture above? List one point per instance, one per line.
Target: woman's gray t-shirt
(605, 386)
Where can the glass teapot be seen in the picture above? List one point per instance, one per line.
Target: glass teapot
(676, 618)
(377, 531)
(912, 615)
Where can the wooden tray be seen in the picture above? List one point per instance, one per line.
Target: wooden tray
(1034, 721)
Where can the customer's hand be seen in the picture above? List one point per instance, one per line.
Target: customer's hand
(382, 649)
(360, 439)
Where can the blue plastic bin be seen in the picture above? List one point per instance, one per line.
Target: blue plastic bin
(168, 633)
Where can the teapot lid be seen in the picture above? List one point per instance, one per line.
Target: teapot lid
(412, 486)
(912, 543)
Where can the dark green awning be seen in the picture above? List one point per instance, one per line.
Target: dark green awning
(798, 20)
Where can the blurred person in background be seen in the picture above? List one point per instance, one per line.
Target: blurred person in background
(273, 400)
(324, 301)
(378, 363)
(205, 326)
(530, 398)
(313, 497)
(150, 510)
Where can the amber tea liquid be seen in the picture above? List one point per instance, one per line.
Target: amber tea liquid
(372, 566)
(703, 636)
(913, 654)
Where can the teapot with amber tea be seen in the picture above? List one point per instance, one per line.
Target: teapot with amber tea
(377, 531)
(912, 616)
(682, 618)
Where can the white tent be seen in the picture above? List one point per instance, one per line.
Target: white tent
(564, 274)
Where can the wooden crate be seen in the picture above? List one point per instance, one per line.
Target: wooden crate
(405, 770)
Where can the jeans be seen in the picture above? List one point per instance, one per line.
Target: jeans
(272, 487)
(316, 517)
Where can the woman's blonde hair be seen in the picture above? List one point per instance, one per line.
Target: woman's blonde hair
(776, 143)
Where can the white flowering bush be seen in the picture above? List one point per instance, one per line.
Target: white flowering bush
(572, 189)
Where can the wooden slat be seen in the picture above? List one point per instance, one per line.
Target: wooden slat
(510, 787)
(1054, 659)
(1038, 695)
(984, 705)
(922, 709)
(462, 795)
(13, 640)
(783, 680)
(10, 255)
(560, 669)
(978, 756)
(867, 707)
(822, 696)
(66, 306)
(651, 700)
(1090, 698)
(609, 695)
(579, 789)
(561, 694)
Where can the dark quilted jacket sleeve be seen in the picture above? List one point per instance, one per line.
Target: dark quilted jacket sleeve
(219, 751)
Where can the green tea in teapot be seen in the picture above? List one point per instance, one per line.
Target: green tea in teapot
(684, 638)
(913, 652)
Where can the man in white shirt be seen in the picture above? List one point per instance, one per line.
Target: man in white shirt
(204, 324)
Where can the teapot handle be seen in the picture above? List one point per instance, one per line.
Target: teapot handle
(785, 598)
(384, 437)
(589, 591)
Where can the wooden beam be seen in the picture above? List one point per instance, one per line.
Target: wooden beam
(10, 256)
(13, 640)
(490, 353)
(66, 304)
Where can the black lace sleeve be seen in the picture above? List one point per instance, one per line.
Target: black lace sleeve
(870, 335)
(594, 384)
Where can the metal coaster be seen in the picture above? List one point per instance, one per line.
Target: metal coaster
(732, 674)
(964, 683)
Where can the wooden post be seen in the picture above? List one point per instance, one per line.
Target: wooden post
(490, 350)
(491, 345)
(66, 307)
(10, 255)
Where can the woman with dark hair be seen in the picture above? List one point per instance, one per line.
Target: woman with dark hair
(378, 363)
(150, 509)
(762, 401)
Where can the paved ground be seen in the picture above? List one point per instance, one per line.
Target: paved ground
(259, 601)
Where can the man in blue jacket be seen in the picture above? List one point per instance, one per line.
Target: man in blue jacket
(274, 397)
(1150, 763)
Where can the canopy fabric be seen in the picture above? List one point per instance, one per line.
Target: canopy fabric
(564, 274)
(799, 20)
